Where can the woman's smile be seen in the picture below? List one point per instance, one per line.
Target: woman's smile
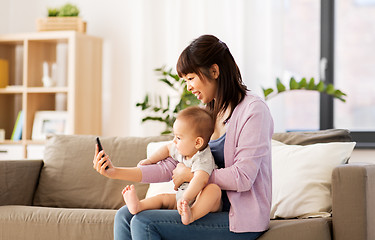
(197, 95)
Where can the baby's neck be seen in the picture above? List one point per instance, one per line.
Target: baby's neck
(191, 156)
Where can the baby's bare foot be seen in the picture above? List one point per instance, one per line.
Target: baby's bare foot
(186, 214)
(131, 199)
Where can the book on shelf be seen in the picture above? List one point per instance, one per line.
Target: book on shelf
(17, 131)
(4, 73)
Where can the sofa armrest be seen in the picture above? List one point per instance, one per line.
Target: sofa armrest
(18, 181)
(353, 197)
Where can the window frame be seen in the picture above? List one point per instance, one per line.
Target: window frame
(365, 139)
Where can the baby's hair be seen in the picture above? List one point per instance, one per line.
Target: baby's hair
(201, 120)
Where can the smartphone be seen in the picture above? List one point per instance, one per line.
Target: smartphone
(100, 148)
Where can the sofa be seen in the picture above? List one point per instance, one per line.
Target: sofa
(63, 197)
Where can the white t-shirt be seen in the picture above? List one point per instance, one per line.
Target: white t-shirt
(202, 160)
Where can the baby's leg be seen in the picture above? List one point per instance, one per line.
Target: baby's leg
(161, 201)
(209, 200)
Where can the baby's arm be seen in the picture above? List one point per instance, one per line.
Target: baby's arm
(161, 154)
(197, 183)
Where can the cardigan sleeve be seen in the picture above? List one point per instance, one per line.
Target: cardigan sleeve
(247, 148)
(159, 172)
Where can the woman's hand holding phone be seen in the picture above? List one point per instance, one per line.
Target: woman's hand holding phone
(101, 162)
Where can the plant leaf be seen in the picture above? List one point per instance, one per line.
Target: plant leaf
(166, 81)
(149, 118)
(293, 84)
(302, 83)
(175, 77)
(311, 85)
(280, 86)
(166, 132)
(338, 94)
(330, 89)
(267, 92)
(320, 87)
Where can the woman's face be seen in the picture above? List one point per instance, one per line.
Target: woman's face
(204, 89)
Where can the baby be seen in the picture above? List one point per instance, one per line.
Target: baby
(192, 131)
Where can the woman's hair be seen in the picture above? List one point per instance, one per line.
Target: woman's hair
(200, 120)
(198, 58)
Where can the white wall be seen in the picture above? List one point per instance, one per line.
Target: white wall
(363, 155)
(140, 35)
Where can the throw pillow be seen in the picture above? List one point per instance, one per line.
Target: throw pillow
(312, 137)
(163, 187)
(301, 178)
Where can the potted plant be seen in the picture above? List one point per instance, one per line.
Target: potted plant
(321, 87)
(63, 18)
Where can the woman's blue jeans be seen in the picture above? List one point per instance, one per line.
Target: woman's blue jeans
(166, 224)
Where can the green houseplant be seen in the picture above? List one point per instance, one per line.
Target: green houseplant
(67, 10)
(63, 18)
(166, 113)
(303, 84)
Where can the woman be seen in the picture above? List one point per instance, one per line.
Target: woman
(241, 145)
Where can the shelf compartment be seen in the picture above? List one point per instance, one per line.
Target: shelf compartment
(13, 52)
(10, 105)
(55, 54)
(43, 101)
(77, 91)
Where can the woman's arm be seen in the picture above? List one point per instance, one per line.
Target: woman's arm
(161, 172)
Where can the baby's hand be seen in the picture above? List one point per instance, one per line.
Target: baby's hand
(145, 162)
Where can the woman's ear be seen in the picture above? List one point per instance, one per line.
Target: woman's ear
(199, 143)
(214, 71)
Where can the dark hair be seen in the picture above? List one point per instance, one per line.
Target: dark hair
(201, 121)
(199, 56)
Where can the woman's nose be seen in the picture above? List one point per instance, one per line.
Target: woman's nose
(188, 86)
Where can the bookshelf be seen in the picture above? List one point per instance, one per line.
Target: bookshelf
(77, 75)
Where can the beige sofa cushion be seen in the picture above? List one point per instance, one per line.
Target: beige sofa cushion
(18, 181)
(297, 229)
(306, 138)
(68, 179)
(42, 223)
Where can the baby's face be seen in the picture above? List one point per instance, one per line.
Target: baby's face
(184, 138)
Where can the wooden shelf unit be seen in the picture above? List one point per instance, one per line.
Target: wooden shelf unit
(78, 58)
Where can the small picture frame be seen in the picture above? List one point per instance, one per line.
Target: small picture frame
(49, 122)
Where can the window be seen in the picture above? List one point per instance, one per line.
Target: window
(298, 110)
(351, 54)
(301, 49)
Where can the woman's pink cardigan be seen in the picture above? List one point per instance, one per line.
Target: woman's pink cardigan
(247, 175)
